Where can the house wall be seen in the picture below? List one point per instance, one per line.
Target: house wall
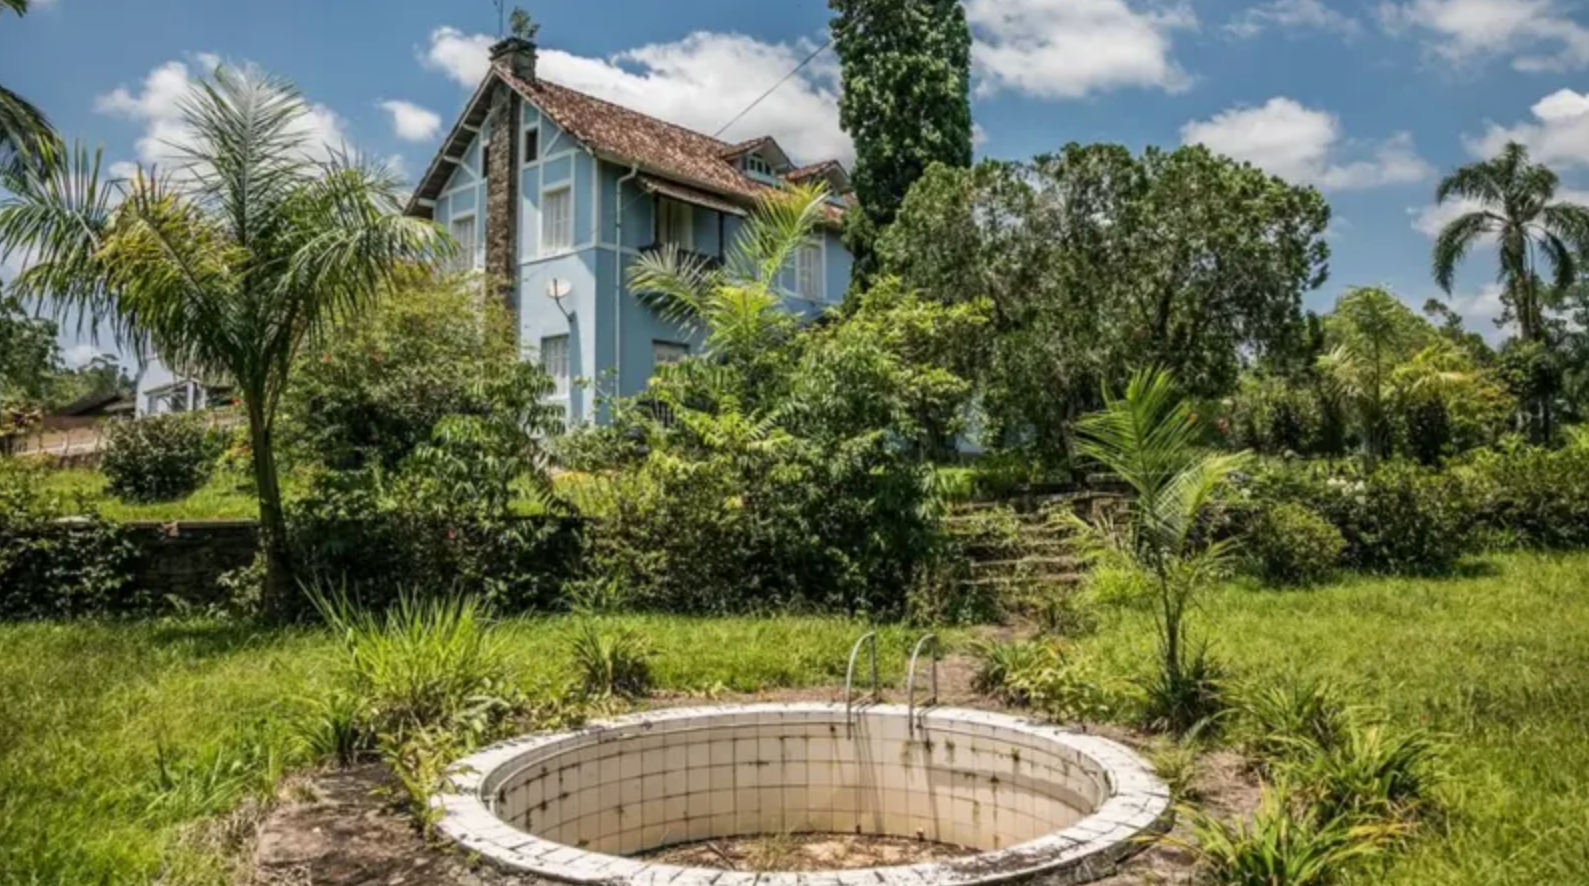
(611, 331)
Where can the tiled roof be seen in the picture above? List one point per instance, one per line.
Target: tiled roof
(617, 134)
(657, 146)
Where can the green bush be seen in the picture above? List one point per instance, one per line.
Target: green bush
(1291, 545)
(1399, 518)
(1284, 721)
(1038, 674)
(1530, 496)
(55, 566)
(161, 458)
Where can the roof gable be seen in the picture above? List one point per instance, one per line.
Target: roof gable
(615, 134)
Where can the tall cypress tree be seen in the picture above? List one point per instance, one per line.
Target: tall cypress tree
(906, 102)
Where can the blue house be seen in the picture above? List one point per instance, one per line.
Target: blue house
(554, 194)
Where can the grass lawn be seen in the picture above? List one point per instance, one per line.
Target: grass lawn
(116, 738)
(1498, 662)
(221, 498)
(225, 497)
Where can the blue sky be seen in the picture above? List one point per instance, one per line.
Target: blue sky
(1369, 101)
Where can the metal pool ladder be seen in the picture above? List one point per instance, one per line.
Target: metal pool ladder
(849, 679)
(910, 681)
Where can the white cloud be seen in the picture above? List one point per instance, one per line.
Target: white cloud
(412, 122)
(1073, 48)
(699, 82)
(1537, 35)
(1558, 137)
(979, 135)
(1305, 145)
(157, 104)
(1430, 219)
(465, 58)
(1291, 16)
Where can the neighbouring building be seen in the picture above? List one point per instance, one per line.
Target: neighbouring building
(555, 193)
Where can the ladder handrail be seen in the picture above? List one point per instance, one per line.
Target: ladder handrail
(849, 676)
(910, 681)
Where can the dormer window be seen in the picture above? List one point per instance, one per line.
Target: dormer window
(758, 164)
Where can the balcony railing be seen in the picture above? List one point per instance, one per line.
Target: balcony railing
(708, 261)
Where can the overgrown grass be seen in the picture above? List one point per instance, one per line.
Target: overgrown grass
(228, 496)
(117, 738)
(222, 497)
(1496, 662)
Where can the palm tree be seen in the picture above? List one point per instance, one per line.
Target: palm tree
(1150, 440)
(1370, 333)
(736, 305)
(227, 266)
(1534, 233)
(25, 133)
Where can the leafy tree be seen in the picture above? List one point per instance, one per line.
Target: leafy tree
(228, 266)
(1151, 440)
(906, 72)
(1534, 232)
(1097, 261)
(369, 395)
(784, 465)
(25, 133)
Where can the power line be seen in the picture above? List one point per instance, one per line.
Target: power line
(786, 78)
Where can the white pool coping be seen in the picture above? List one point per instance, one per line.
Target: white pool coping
(1137, 805)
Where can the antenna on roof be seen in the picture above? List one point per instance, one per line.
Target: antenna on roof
(502, 25)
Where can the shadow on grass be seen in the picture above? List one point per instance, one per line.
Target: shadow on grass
(215, 639)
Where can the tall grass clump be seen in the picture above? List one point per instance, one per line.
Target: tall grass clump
(1281, 845)
(425, 662)
(1374, 773)
(1286, 719)
(610, 661)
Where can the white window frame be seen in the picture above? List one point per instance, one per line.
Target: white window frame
(558, 365)
(758, 164)
(817, 267)
(467, 259)
(665, 206)
(549, 246)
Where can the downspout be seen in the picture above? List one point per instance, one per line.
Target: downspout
(617, 285)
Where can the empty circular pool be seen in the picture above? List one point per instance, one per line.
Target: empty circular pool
(1031, 799)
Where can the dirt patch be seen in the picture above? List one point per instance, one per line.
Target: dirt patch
(806, 852)
(341, 829)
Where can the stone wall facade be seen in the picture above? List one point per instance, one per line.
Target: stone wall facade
(184, 561)
(502, 197)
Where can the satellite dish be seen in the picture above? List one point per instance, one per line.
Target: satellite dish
(557, 290)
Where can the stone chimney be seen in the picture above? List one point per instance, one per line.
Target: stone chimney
(519, 55)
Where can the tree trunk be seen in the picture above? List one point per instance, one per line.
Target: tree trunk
(280, 593)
